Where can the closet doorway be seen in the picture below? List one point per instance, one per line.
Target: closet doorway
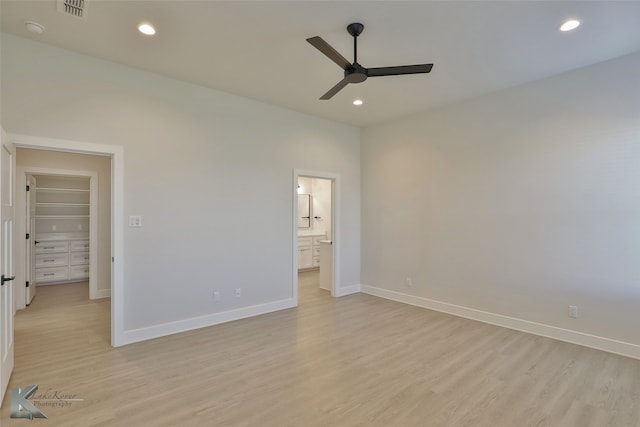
(59, 218)
(65, 220)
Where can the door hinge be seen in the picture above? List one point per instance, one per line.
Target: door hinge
(27, 283)
(27, 187)
(27, 236)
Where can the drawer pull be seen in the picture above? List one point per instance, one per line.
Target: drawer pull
(49, 260)
(48, 247)
(49, 274)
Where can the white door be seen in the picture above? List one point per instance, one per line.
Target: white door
(30, 291)
(6, 264)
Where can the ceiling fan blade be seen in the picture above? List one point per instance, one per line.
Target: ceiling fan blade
(330, 52)
(337, 88)
(402, 69)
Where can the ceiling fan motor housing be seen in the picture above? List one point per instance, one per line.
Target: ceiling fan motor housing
(355, 74)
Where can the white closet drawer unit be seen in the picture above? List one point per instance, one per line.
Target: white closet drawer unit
(49, 247)
(316, 261)
(51, 260)
(51, 274)
(60, 261)
(78, 258)
(79, 272)
(79, 245)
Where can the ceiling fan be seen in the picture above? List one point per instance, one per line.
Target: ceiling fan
(356, 73)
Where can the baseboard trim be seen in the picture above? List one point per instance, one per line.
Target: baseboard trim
(103, 293)
(142, 334)
(347, 290)
(600, 343)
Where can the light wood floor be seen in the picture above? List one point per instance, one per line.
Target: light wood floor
(352, 361)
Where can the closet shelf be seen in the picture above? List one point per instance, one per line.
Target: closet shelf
(61, 216)
(66, 190)
(61, 204)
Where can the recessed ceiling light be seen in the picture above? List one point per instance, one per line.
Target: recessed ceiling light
(569, 25)
(146, 28)
(358, 102)
(34, 27)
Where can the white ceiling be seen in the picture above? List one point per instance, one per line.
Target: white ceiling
(258, 49)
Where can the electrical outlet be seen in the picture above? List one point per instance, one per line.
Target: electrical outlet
(573, 311)
(216, 295)
(238, 292)
(409, 281)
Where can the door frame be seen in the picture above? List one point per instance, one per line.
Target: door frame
(29, 251)
(335, 225)
(116, 152)
(21, 182)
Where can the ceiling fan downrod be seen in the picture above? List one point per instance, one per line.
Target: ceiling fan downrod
(355, 30)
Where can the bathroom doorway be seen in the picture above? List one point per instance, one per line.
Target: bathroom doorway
(315, 236)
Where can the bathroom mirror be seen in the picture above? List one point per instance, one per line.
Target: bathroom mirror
(304, 210)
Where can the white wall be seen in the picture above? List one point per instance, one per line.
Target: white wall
(517, 203)
(210, 173)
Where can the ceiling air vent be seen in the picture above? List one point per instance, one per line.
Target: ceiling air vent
(76, 8)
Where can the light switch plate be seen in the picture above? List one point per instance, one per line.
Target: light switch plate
(135, 221)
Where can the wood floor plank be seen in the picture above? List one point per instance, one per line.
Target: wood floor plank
(352, 361)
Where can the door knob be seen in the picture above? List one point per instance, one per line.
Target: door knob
(6, 279)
